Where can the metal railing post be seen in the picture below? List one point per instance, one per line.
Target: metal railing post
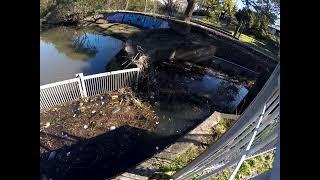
(82, 85)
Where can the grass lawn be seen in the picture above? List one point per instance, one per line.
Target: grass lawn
(249, 168)
(258, 45)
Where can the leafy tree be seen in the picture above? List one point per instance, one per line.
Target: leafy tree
(244, 18)
(228, 6)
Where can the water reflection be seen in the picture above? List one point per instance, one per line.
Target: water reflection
(66, 51)
(185, 99)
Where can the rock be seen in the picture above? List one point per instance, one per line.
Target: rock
(101, 21)
(52, 155)
(47, 125)
(85, 126)
(93, 112)
(65, 136)
(115, 110)
(81, 104)
(112, 128)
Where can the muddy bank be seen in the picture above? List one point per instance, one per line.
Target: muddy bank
(78, 137)
(94, 116)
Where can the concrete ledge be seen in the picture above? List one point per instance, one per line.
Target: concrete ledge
(192, 139)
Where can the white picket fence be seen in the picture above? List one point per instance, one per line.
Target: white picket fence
(85, 86)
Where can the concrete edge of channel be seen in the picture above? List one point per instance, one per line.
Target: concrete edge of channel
(192, 139)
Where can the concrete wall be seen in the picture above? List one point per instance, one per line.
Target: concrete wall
(142, 21)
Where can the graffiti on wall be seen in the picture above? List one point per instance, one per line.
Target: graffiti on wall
(142, 21)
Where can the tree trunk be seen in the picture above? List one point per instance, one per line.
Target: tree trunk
(145, 5)
(237, 29)
(241, 31)
(154, 7)
(127, 4)
(189, 10)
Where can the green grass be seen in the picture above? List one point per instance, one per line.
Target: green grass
(259, 45)
(166, 168)
(249, 168)
(223, 125)
(180, 162)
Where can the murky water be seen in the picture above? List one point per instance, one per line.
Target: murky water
(187, 99)
(65, 51)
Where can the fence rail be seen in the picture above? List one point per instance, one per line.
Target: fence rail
(255, 131)
(84, 86)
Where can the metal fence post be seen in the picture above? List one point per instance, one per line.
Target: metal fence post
(137, 80)
(83, 90)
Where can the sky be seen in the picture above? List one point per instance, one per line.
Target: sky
(239, 4)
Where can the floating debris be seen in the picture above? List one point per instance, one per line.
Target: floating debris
(157, 148)
(74, 115)
(85, 126)
(102, 103)
(47, 125)
(115, 110)
(157, 122)
(93, 111)
(114, 97)
(68, 153)
(52, 155)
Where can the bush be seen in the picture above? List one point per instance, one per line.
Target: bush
(46, 6)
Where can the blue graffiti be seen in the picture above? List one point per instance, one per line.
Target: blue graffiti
(142, 21)
(115, 18)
